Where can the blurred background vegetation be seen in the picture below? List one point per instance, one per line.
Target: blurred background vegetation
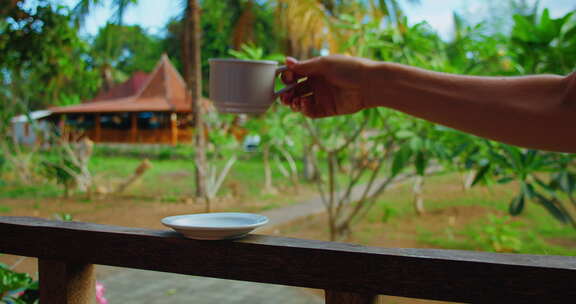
(44, 61)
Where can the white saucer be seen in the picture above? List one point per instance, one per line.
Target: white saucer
(215, 226)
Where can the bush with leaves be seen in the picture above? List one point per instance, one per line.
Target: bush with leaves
(543, 44)
(17, 288)
(42, 56)
(498, 234)
(542, 177)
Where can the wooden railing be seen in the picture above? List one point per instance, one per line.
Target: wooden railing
(348, 273)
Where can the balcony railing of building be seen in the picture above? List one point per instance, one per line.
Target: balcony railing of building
(349, 274)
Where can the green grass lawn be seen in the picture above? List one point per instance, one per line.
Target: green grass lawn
(168, 181)
(175, 177)
(450, 224)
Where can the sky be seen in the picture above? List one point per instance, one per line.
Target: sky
(154, 14)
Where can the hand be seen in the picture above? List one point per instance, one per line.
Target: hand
(332, 85)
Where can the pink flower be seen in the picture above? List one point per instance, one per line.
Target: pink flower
(100, 290)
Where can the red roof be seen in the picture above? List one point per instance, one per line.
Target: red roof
(125, 89)
(162, 91)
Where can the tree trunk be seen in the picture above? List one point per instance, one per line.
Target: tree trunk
(309, 171)
(193, 73)
(418, 195)
(268, 187)
(293, 173)
(469, 179)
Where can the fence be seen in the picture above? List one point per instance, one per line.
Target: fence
(350, 274)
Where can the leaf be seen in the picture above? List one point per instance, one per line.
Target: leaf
(460, 148)
(553, 209)
(528, 190)
(516, 158)
(570, 34)
(523, 29)
(481, 174)
(517, 205)
(505, 180)
(402, 134)
(547, 26)
(568, 182)
(400, 161)
(550, 189)
(416, 143)
(529, 157)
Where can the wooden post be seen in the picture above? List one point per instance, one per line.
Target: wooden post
(133, 127)
(174, 129)
(62, 126)
(66, 282)
(338, 297)
(97, 128)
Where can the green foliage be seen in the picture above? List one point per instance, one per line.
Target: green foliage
(530, 169)
(2, 162)
(221, 26)
(41, 57)
(56, 166)
(12, 282)
(125, 48)
(543, 44)
(388, 213)
(160, 153)
(39, 190)
(5, 209)
(253, 52)
(499, 234)
(43, 48)
(536, 45)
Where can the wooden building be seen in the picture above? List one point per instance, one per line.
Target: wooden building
(154, 108)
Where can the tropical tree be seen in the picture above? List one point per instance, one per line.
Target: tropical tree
(310, 26)
(543, 44)
(38, 62)
(118, 51)
(84, 7)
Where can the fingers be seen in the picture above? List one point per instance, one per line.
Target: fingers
(289, 77)
(300, 69)
(305, 67)
(302, 99)
(295, 90)
(309, 106)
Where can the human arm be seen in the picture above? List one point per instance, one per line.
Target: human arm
(532, 111)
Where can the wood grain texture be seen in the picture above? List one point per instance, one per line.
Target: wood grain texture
(458, 276)
(337, 297)
(66, 283)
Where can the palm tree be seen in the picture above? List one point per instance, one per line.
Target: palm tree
(83, 8)
(311, 25)
(391, 9)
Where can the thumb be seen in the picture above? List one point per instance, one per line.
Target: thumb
(305, 67)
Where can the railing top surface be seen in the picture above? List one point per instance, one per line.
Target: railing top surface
(451, 275)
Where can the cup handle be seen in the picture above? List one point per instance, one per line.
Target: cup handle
(285, 89)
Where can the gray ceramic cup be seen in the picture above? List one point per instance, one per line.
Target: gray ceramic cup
(243, 86)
